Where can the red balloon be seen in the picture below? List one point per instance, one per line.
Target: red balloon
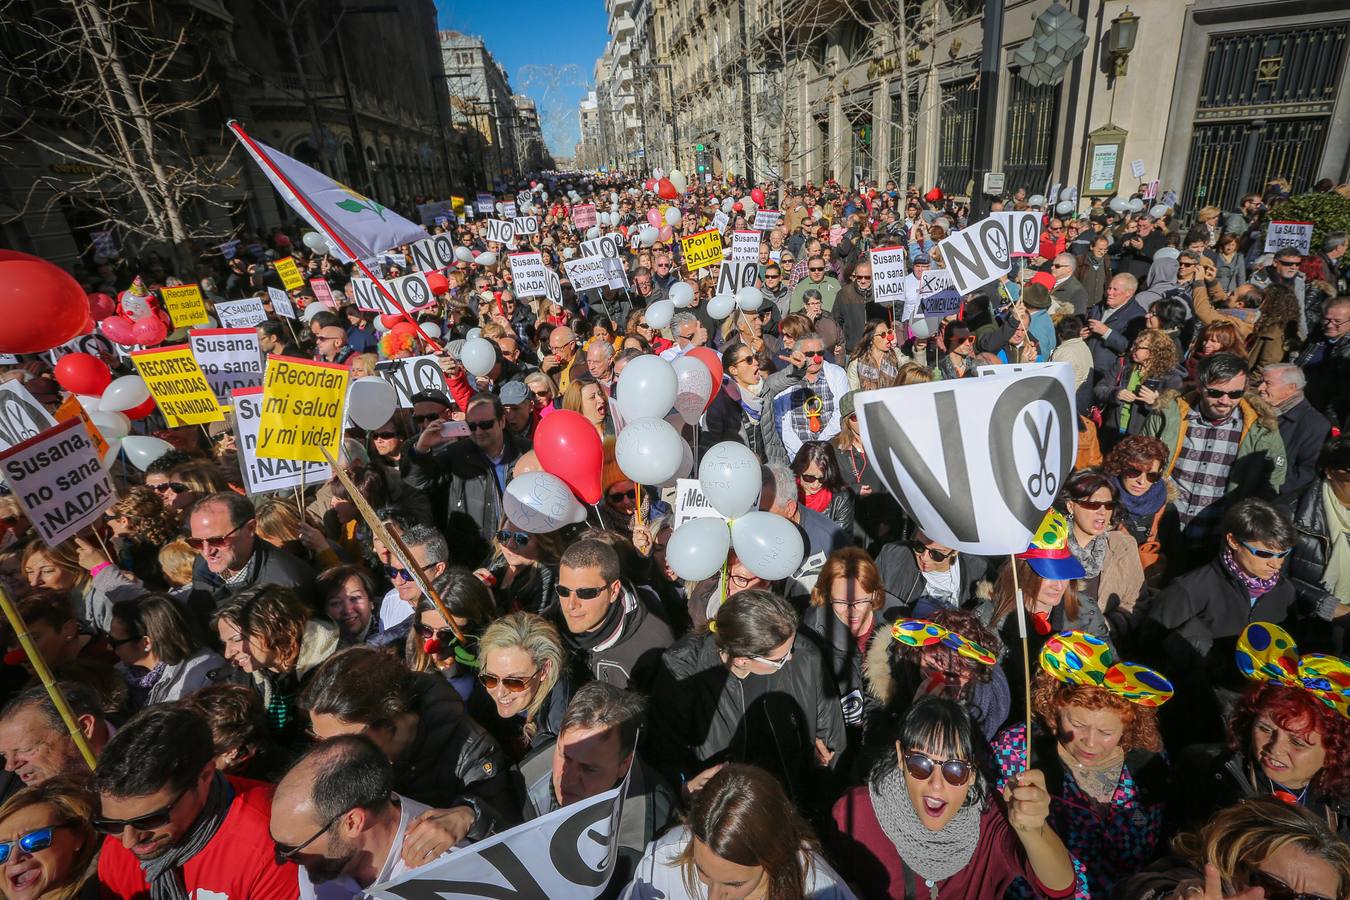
(118, 329)
(714, 363)
(737, 207)
(649, 184)
(438, 283)
(101, 306)
(41, 306)
(568, 446)
(82, 373)
(757, 195)
(665, 190)
(149, 331)
(390, 322)
(136, 413)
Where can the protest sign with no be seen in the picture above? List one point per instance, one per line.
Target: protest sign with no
(745, 246)
(1024, 231)
(1298, 235)
(525, 224)
(302, 409)
(59, 481)
(290, 273)
(412, 291)
(242, 313)
(185, 305)
(262, 475)
(411, 376)
(230, 358)
(430, 254)
(606, 245)
(977, 255)
(702, 250)
(21, 416)
(500, 231)
(888, 274)
(178, 385)
(976, 461)
(732, 276)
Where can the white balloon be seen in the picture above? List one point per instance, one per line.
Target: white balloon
(486, 259)
(749, 298)
(659, 313)
(648, 451)
(1119, 204)
(602, 218)
(1064, 207)
(141, 451)
(1160, 210)
(646, 388)
(593, 232)
(501, 208)
(681, 293)
(110, 455)
(635, 192)
(613, 196)
(537, 503)
(686, 463)
(727, 204)
(694, 390)
(371, 402)
(678, 181)
(478, 356)
(1036, 200)
(569, 252)
(1136, 205)
(767, 544)
(748, 206)
(729, 476)
(673, 217)
(720, 307)
(473, 333)
(698, 548)
(921, 328)
(317, 307)
(648, 235)
(112, 425)
(89, 402)
(315, 241)
(431, 330)
(127, 392)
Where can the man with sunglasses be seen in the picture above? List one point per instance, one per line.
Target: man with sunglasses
(430, 551)
(853, 306)
(175, 826)
(1286, 269)
(231, 558)
(818, 279)
(807, 410)
(609, 625)
(923, 576)
(1222, 449)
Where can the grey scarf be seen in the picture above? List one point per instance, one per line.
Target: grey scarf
(1093, 556)
(165, 872)
(930, 855)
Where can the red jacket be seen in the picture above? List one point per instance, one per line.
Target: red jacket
(1051, 246)
(237, 864)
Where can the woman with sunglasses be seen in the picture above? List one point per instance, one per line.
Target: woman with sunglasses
(523, 667)
(1096, 739)
(875, 360)
(389, 444)
(160, 652)
(747, 690)
(196, 480)
(958, 360)
(1135, 468)
(48, 849)
(140, 523)
(820, 486)
(1258, 848)
(923, 575)
(523, 569)
(928, 825)
(1113, 574)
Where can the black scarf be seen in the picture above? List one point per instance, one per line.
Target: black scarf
(165, 872)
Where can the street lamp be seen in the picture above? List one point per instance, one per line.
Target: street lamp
(1120, 40)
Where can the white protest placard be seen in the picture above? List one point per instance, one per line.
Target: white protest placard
(412, 291)
(888, 274)
(1024, 230)
(529, 275)
(390, 258)
(93, 344)
(732, 276)
(767, 219)
(322, 292)
(21, 416)
(977, 254)
(432, 254)
(567, 854)
(411, 376)
(262, 474)
(59, 480)
(745, 246)
(720, 220)
(692, 503)
(938, 298)
(484, 204)
(500, 231)
(230, 358)
(976, 462)
(607, 245)
(1298, 235)
(1137, 169)
(281, 302)
(525, 224)
(1152, 190)
(241, 313)
(587, 272)
(509, 208)
(618, 278)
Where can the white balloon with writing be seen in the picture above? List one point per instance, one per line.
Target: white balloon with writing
(729, 475)
(767, 544)
(695, 388)
(538, 502)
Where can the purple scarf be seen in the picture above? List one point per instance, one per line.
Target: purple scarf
(1255, 586)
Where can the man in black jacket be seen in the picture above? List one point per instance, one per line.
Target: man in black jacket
(472, 472)
(1133, 252)
(1303, 429)
(923, 576)
(1113, 324)
(441, 757)
(612, 633)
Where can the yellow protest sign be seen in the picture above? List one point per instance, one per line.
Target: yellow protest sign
(702, 250)
(301, 409)
(178, 385)
(185, 305)
(290, 273)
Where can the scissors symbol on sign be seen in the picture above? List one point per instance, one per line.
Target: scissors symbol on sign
(1043, 477)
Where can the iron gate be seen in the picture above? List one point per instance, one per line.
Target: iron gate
(1029, 141)
(956, 136)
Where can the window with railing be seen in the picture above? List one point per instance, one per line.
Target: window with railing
(956, 136)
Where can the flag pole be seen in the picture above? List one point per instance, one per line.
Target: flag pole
(328, 230)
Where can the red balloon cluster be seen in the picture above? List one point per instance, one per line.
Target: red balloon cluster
(41, 305)
(568, 446)
(101, 306)
(391, 322)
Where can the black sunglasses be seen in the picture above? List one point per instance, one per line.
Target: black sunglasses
(386, 435)
(934, 554)
(480, 426)
(1275, 889)
(1108, 505)
(1215, 394)
(392, 572)
(920, 765)
(446, 636)
(519, 538)
(620, 496)
(282, 853)
(1153, 477)
(176, 486)
(157, 819)
(587, 593)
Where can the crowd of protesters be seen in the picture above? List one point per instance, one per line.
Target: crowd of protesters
(276, 709)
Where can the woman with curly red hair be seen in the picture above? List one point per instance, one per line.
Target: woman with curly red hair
(1135, 466)
(1096, 739)
(1289, 736)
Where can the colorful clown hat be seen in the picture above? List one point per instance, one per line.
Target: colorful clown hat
(1049, 555)
(923, 633)
(1266, 652)
(1074, 657)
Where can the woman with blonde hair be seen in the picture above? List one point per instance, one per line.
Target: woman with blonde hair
(588, 398)
(363, 365)
(48, 848)
(523, 666)
(175, 561)
(1207, 221)
(81, 570)
(201, 479)
(279, 523)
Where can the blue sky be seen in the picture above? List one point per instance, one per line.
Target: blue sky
(548, 48)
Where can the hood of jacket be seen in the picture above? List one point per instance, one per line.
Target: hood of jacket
(1254, 409)
(1162, 275)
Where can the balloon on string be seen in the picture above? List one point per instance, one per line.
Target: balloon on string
(1119, 204)
(473, 333)
(136, 413)
(1136, 205)
(694, 390)
(568, 446)
(488, 259)
(1160, 210)
(921, 328)
(315, 241)
(665, 190)
(101, 306)
(538, 503)
(370, 402)
(390, 321)
(720, 306)
(698, 548)
(464, 254)
(666, 233)
(439, 284)
(749, 298)
(681, 294)
(750, 206)
(593, 232)
(141, 450)
(82, 373)
(654, 217)
(1036, 200)
(728, 205)
(713, 362)
(660, 313)
(1064, 207)
(41, 305)
(729, 476)
(757, 195)
(646, 388)
(648, 235)
(478, 356)
(431, 330)
(678, 181)
(686, 464)
(112, 425)
(648, 451)
(127, 392)
(767, 544)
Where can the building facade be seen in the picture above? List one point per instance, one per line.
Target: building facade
(481, 99)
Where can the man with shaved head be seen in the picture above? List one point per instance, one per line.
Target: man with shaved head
(562, 357)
